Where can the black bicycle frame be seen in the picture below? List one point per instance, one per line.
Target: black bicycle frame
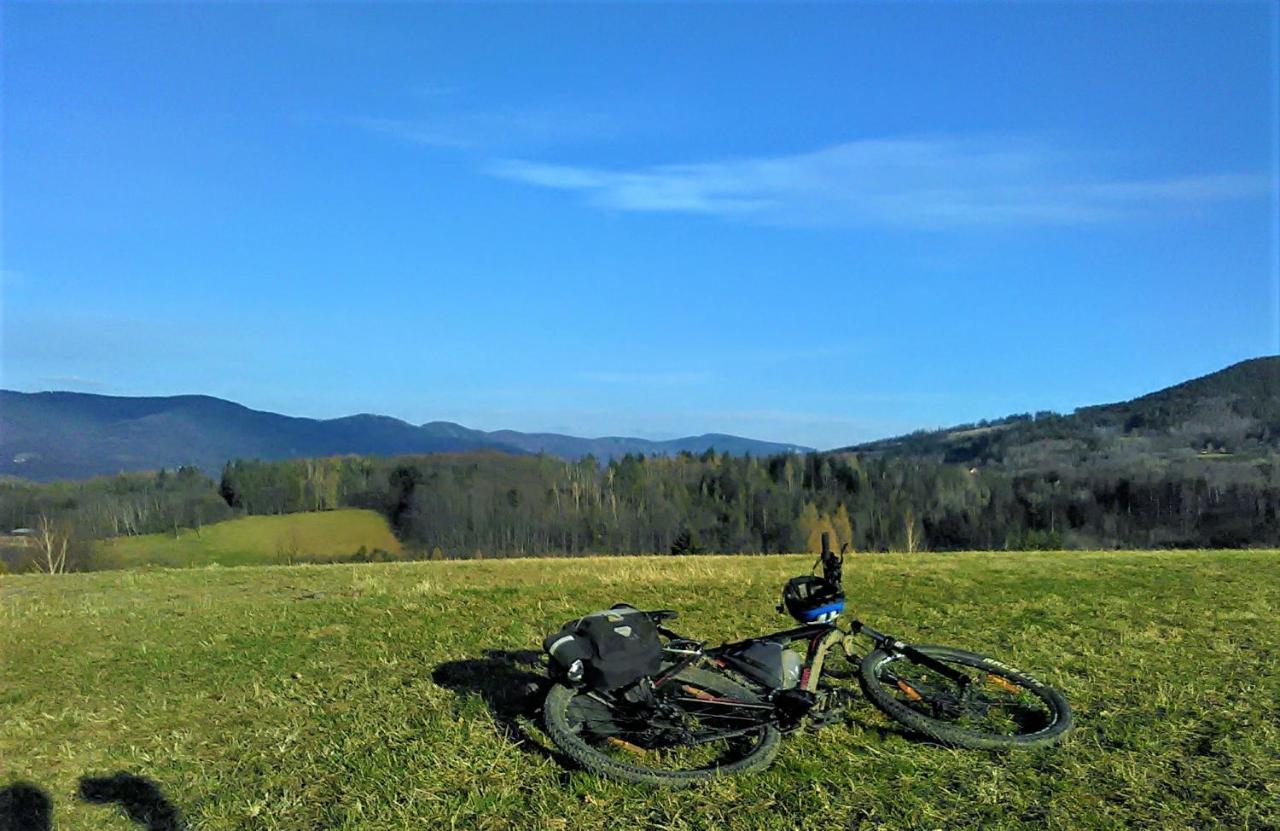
(820, 637)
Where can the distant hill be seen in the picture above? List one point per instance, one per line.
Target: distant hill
(609, 446)
(1231, 414)
(67, 435)
(313, 536)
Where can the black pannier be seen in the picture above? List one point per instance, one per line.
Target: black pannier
(617, 647)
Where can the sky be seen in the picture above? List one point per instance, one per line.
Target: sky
(817, 224)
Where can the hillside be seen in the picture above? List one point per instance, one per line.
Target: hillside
(65, 435)
(389, 697)
(1232, 414)
(255, 540)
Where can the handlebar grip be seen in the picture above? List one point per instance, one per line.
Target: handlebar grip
(826, 543)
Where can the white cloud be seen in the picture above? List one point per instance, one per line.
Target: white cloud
(907, 182)
(503, 127)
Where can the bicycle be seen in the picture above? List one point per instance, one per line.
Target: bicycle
(717, 711)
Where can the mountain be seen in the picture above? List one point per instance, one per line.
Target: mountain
(1232, 414)
(607, 447)
(610, 446)
(67, 435)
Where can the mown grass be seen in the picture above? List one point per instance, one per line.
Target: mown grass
(359, 696)
(255, 540)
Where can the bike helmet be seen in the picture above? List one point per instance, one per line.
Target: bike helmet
(811, 599)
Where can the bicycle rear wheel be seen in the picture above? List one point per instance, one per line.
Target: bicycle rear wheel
(706, 726)
(999, 709)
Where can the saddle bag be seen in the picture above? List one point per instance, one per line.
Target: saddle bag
(617, 647)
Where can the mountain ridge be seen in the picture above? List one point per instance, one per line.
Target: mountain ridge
(63, 435)
(1233, 412)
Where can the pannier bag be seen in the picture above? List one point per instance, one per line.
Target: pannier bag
(617, 647)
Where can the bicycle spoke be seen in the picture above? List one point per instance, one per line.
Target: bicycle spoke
(989, 703)
(697, 729)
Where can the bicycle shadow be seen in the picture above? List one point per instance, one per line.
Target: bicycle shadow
(512, 690)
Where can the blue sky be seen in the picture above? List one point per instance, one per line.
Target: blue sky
(818, 224)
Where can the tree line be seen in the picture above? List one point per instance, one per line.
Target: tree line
(496, 505)
(517, 506)
(52, 526)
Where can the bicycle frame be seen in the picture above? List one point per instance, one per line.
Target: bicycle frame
(821, 638)
(788, 706)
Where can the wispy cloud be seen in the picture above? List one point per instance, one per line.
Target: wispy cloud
(499, 128)
(430, 133)
(908, 182)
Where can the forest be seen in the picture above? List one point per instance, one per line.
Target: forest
(499, 505)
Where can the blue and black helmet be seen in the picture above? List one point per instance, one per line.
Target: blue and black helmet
(811, 599)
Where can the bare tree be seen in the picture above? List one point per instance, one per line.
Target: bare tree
(53, 540)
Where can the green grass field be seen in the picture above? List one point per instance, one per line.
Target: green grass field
(360, 696)
(256, 540)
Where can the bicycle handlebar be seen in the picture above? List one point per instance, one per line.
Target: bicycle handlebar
(831, 562)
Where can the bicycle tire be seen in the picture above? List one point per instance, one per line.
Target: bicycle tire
(941, 730)
(555, 717)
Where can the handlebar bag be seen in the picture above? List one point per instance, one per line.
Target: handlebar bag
(617, 647)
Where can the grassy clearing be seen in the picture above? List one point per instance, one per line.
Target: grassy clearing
(256, 540)
(360, 696)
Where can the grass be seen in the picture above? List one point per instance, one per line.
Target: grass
(360, 696)
(256, 540)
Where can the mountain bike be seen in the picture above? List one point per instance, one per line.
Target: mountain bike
(714, 711)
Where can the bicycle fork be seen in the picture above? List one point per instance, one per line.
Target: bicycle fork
(892, 645)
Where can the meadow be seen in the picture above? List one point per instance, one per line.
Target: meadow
(254, 540)
(390, 696)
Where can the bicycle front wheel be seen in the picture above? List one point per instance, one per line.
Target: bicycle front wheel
(998, 709)
(704, 725)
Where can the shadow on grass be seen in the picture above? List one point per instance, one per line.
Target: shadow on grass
(871, 722)
(25, 807)
(141, 799)
(512, 686)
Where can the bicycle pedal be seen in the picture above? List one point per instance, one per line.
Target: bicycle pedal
(818, 721)
(842, 698)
